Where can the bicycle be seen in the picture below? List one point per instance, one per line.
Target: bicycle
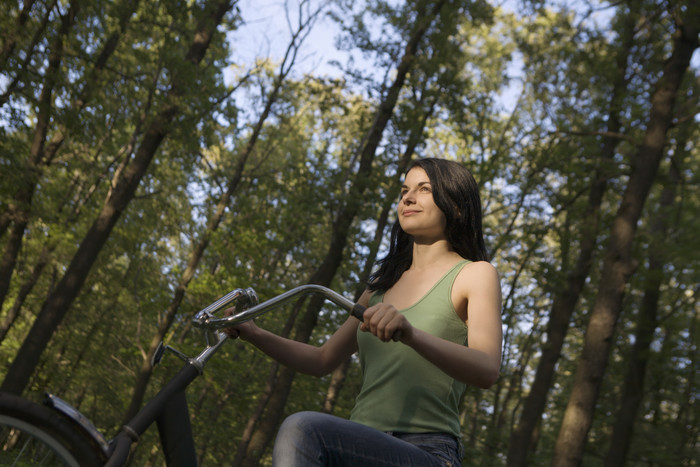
(58, 434)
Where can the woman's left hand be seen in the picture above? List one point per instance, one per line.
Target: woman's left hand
(383, 320)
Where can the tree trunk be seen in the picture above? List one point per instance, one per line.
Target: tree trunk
(22, 294)
(41, 153)
(523, 440)
(212, 416)
(213, 223)
(618, 264)
(45, 257)
(19, 208)
(686, 416)
(524, 353)
(647, 321)
(268, 423)
(340, 373)
(416, 135)
(59, 302)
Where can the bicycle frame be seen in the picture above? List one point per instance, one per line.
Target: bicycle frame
(169, 407)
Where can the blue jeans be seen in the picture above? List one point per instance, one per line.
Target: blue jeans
(308, 439)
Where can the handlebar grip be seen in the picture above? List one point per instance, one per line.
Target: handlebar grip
(358, 311)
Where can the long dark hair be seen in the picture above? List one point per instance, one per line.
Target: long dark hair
(456, 193)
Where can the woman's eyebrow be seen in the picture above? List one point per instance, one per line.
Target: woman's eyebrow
(427, 182)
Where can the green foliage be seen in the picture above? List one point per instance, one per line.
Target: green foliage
(526, 101)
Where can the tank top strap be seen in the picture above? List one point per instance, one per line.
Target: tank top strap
(439, 297)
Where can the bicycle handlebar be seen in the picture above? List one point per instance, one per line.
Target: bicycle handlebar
(205, 319)
(243, 298)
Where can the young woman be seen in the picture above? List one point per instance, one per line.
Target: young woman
(436, 287)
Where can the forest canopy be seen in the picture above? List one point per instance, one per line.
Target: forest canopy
(156, 155)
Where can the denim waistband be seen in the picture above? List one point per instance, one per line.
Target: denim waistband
(445, 446)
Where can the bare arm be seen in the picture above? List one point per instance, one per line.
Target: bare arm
(302, 357)
(478, 364)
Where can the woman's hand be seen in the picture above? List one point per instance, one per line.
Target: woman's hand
(383, 320)
(242, 330)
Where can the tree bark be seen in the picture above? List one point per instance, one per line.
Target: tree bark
(213, 223)
(41, 153)
(340, 373)
(60, 300)
(18, 210)
(274, 411)
(523, 439)
(647, 322)
(14, 311)
(618, 263)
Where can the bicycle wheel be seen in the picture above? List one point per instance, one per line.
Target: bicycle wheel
(33, 435)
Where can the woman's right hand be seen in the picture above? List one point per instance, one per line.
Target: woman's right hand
(242, 330)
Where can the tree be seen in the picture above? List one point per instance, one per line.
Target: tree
(618, 265)
(647, 323)
(522, 440)
(424, 16)
(58, 303)
(233, 182)
(546, 104)
(17, 213)
(41, 153)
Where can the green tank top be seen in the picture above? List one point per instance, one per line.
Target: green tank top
(401, 390)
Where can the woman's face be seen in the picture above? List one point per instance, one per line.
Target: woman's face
(419, 216)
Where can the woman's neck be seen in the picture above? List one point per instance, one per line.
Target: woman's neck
(426, 255)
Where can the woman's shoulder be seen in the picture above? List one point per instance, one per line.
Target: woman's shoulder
(477, 274)
(479, 267)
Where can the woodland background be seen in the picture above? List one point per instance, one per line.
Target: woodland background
(147, 169)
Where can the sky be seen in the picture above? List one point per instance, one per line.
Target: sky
(266, 33)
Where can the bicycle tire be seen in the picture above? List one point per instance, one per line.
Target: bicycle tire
(34, 435)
